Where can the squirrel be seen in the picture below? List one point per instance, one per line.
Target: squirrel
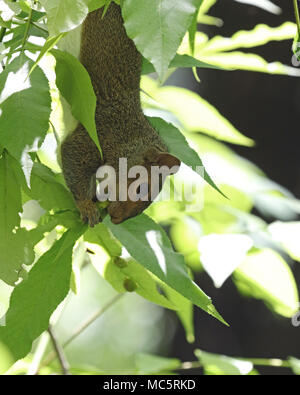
(114, 65)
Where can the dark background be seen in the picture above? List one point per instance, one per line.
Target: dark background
(266, 108)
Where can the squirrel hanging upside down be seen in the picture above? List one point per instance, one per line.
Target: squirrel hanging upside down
(114, 65)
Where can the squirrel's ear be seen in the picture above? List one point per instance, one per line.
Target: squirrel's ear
(166, 159)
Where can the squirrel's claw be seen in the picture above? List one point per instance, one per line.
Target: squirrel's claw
(89, 212)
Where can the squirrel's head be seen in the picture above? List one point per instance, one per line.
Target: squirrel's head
(137, 186)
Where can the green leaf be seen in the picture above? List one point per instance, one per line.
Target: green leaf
(185, 234)
(49, 44)
(46, 224)
(183, 61)
(223, 365)
(145, 284)
(15, 247)
(295, 364)
(10, 194)
(102, 236)
(167, 22)
(78, 260)
(197, 115)
(95, 4)
(184, 311)
(64, 15)
(193, 31)
(8, 9)
(16, 250)
(287, 234)
(6, 359)
(265, 275)
(152, 364)
(25, 107)
(221, 254)
(260, 35)
(75, 85)
(263, 4)
(206, 6)
(48, 191)
(25, 6)
(179, 147)
(149, 245)
(215, 51)
(5, 23)
(247, 61)
(35, 299)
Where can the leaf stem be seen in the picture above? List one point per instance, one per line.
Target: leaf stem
(25, 37)
(59, 353)
(297, 17)
(275, 363)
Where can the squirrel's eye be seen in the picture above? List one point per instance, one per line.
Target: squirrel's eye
(142, 190)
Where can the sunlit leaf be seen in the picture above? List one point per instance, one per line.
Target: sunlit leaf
(295, 363)
(265, 275)
(264, 4)
(15, 248)
(197, 115)
(184, 311)
(260, 35)
(6, 359)
(152, 364)
(206, 6)
(75, 85)
(48, 191)
(25, 107)
(223, 365)
(179, 147)
(64, 15)
(221, 254)
(117, 275)
(148, 244)
(35, 299)
(159, 42)
(287, 233)
(180, 61)
(246, 61)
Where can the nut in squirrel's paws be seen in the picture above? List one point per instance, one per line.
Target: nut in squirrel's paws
(89, 212)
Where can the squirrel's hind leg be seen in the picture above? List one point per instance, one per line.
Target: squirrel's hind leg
(80, 162)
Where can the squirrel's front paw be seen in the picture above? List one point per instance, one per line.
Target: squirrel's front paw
(89, 212)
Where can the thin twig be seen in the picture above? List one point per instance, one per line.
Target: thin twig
(59, 353)
(191, 365)
(297, 17)
(28, 23)
(92, 319)
(52, 356)
(38, 354)
(274, 363)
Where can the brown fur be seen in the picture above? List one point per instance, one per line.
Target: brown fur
(114, 65)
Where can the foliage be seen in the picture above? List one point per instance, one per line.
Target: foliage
(41, 86)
